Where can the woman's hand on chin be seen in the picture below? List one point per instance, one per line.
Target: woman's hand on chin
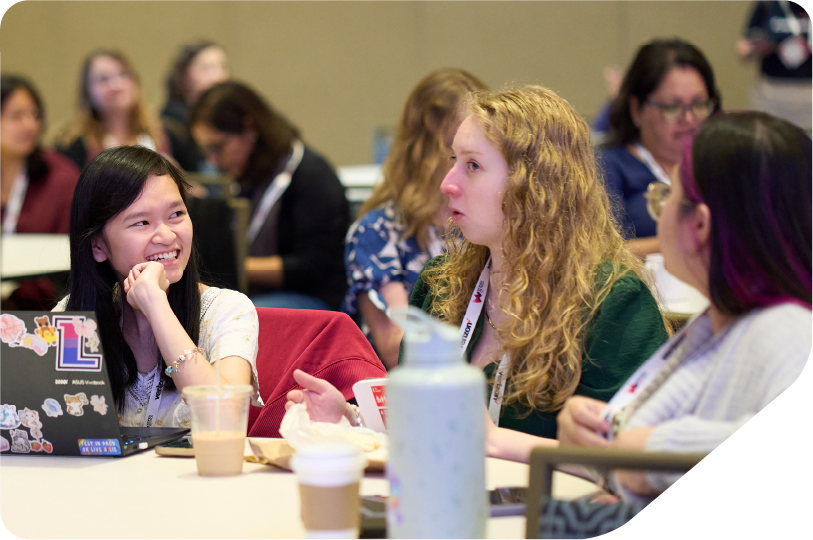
(145, 282)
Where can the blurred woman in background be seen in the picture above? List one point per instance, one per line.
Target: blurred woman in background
(37, 184)
(112, 111)
(668, 91)
(197, 66)
(299, 210)
(402, 223)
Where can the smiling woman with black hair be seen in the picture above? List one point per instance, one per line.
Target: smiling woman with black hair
(133, 262)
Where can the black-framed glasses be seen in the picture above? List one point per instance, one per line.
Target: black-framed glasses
(675, 112)
(656, 195)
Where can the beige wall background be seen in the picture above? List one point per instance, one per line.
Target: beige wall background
(340, 69)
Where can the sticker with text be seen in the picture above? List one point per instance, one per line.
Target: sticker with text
(31, 420)
(8, 417)
(19, 441)
(52, 407)
(75, 402)
(76, 334)
(99, 447)
(98, 404)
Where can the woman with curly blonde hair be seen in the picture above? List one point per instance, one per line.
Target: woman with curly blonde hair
(550, 301)
(401, 224)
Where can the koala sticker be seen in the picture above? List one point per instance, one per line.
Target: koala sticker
(19, 441)
(75, 403)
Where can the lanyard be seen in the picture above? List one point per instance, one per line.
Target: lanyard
(274, 191)
(154, 404)
(642, 384)
(649, 160)
(466, 330)
(14, 205)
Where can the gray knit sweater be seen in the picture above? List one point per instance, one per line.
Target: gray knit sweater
(723, 381)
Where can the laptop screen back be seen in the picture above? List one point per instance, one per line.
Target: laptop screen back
(54, 387)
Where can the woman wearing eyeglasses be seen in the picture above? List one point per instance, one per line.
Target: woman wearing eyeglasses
(668, 91)
(736, 226)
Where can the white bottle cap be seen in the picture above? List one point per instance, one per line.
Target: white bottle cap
(428, 340)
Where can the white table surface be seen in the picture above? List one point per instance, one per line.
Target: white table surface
(34, 254)
(150, 496)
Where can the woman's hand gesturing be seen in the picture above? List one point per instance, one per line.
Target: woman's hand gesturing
(323, 401)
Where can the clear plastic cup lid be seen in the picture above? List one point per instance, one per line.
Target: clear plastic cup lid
(212, 391)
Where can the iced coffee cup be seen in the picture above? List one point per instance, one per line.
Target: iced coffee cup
(328, 477)
(219, 420)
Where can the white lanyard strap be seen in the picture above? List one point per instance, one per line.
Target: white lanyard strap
(155, 399)
(274, 191)
(649, 160)
(475, 307)
(473, 313)
(14, 205)
(646, 379)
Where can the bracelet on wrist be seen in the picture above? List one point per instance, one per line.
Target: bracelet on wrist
(188, 354)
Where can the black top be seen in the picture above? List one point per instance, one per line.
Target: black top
(312, 218)
(175, 119)
(769, 23)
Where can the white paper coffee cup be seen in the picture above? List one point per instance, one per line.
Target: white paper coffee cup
(328, 477)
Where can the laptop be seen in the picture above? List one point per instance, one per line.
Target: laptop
(55, 391)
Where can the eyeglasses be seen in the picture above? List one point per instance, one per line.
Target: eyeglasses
(675, 112)
(214, 149)
(104, 80)
(656, 195)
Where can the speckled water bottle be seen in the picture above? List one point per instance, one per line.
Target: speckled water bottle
(435, 421)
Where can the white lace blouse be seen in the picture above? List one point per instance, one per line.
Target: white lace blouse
(228, 327)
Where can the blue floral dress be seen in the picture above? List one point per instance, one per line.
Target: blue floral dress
(376, 252)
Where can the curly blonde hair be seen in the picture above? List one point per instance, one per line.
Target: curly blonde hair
(418, 159)
(558, 230)
(87, 122)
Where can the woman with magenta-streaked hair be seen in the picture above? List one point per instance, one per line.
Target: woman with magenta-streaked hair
(736, 227)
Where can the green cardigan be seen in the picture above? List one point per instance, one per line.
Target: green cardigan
(626, 331)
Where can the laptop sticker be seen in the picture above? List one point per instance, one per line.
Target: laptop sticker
(8, 417)
(19, 441)
(35, 343)
(70, 348)
(31, 420)
(98, 404)
(4, 446)
(88, 331)
(11, 329)
(42, 446)
(45, 330)
(99, 447)
(52, 407)
(75, 402)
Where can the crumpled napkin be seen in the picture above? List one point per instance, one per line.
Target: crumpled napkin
(298, 430)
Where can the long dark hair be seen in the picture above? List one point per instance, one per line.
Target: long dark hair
(232, 107)
(652, 63)
(35, 163)
(109, 184)
(176, 85)
(753, 171)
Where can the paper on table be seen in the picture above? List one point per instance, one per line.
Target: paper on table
(279, 452)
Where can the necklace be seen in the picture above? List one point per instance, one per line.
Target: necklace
(489, 321)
